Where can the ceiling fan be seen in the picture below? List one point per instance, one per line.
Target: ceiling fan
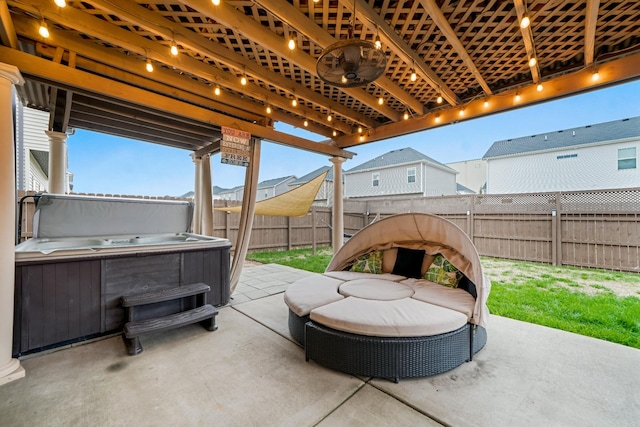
(351, 62)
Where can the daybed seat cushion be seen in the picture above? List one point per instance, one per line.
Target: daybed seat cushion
(353, 275)
(405, 317)
(443, 296)
(376, 289)
(310, 292)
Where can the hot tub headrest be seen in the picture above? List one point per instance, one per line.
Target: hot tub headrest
(75, 216)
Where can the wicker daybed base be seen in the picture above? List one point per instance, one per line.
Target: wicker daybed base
(386, 357)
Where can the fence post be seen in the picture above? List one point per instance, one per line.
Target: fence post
(227, 227)
(289, 245)
(554, 236)
(313, 230)
(558, 230)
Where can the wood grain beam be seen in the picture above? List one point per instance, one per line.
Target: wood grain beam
(157, 24)
(84, 82)
(527, 39)
(441, 22)
(590, 24)
(146, 48)
(611, 73)
(373, 21)
(7, 32)
(290, 14)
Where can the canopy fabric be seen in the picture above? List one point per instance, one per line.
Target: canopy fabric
(294, 202)
(432, 233)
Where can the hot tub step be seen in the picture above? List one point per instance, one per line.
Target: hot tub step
(132, 330)
(164, 295)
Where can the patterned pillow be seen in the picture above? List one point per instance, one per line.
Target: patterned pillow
(368, 263)
(443, 272)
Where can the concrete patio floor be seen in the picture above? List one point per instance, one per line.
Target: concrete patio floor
(251, 373)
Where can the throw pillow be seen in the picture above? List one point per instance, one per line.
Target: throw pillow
(409, 262)
(368, 263)
(443, 272)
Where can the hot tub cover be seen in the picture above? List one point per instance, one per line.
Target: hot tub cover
(60, 215)
(421, 231)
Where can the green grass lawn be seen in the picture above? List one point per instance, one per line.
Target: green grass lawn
(596, 303)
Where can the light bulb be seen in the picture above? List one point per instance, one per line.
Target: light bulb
(329, 117)
(174, 49)
(461, 112)
(378, 43)
(306, 123)
(361, 138)
(381, 100)
(359, 129)
(517, 97)
(525, 21)
(292, 41)
(60, 3)
(406, 115)
(294, 102)
(335, 133)
(215, 2)
(269, 109)
(414, 76)
(149, 66)
(243, 80)
(539, 87)
(486, 103)
(439, 99)
(595, 76)
(216, 90)
(43, 30)
(343, 79)
(437, 118)
(532, 61)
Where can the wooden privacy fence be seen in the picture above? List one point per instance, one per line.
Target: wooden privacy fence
(595, 229)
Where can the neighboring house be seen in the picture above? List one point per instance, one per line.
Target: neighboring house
(273, 187)
(400, 172)
(472, 174)
(32, 150)
(324, 197)
(600, 156)
(217, 191)
(234, 194)
(461, 189)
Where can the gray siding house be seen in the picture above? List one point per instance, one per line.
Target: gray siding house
(273, 187)
(324, 197)
(400, 173)
(600, 156)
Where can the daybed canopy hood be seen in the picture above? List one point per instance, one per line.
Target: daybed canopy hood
(420, 231)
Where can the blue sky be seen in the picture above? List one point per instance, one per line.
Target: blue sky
(106, 164)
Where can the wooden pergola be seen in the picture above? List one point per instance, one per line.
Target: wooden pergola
(108, 66)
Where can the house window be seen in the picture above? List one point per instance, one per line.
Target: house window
(627, 158)
(411, 175)
(375, 179)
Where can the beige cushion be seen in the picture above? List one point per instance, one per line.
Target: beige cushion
(433, 293)
(405, 317)
(382, 290)
(305, 294)
(352, 275)
(389, 260)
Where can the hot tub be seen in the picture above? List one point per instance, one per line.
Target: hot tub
(88, 252)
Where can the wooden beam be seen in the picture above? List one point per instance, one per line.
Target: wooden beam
(290, 14)
(7, 32)
(527, 39)
(212, 148)
(239, 22)
(157, 24)
(612, 72)
(374, 21)
(590, 24)
(145, 48)
(84, 82)
(441, 22)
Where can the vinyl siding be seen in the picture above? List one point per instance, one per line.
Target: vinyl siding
(30, 127)
(393, 180)
(472, 173)
(439, 182)
(580, 168)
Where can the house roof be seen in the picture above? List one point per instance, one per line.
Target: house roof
(591, 134)
(275, 181)
(462, 189)
(232, 190)
(308, 177)
(218, 190)
(398, 157)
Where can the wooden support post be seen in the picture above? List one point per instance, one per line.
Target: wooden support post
(313, 230)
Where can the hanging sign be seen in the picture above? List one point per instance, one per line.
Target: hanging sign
(234, 147)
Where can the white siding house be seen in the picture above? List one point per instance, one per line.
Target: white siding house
(234, 194)
(273, 187)
(601, 156)
(324, 197)
(400, 172)
(472, 175)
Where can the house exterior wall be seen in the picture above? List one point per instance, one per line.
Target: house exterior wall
(471, 173)
(37, 180)
(30, 125)
(392, 180)
(579, 168)
(438, 182)
(274, 190)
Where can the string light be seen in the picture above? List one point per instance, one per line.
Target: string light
(486, 103)
(361, 138)
(269, 109)
(359, 129)
(335, 132)
(149, 66)
(329, 116)
(60, 3)
(43, 30)
(461, 112)
(378, 43)
(525, 21)
(438, 118)
(216, 90)
(414, 76)
(595, 76)
(174, 48)
(406, 115)
(215, 2)
(294, 102)
(380, 100)
(306, 123)
(533, 61)
(517, 98)
(539, 87)
(439, 98)
(292, 41)
(243, 80)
